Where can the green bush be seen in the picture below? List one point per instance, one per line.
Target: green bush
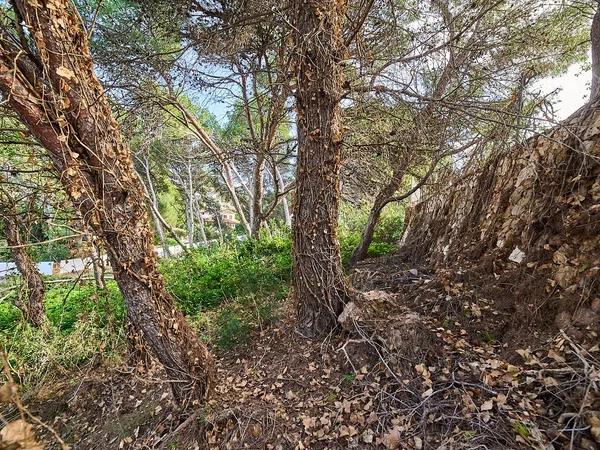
(65, 305)
(34, 354)
(9, 314)
(232, 329)
(208, 276)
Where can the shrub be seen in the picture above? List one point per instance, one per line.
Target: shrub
(66, 305)
(208, 276)
(232, 329)
(9, 314)
(34, 354)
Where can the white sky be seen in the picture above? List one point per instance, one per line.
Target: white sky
(574, 90)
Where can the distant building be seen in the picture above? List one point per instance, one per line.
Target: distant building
(227, 213)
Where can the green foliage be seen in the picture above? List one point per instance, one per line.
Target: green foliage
(521, 429)
(9, 314)
(387, 233)
(36, 354)
(67, 305)
(232, 329)
(227, 290)
(209, 276)
(168, 199)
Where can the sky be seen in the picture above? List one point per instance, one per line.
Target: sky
(574, 89)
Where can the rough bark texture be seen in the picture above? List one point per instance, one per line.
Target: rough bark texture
(33, 310)
(57, 95)
(538, 205)
(595, 40)
(319, 284)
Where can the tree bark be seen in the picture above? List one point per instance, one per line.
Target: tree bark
(595, 40)
(257, 195)
(284, 201)
(319, 284)
(61, 101)
(33, 310)
(97, 264)
(381, 200)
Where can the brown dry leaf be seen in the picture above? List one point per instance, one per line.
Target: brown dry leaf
(65, 72)
(309, 422)
(418, 442)
(6, 392)
(594, 423)
(19, 435)
(391, 440)
(550, 381)
(487, 406)
(344, 431)
(555, 356)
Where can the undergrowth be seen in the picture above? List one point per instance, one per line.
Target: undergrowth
(227, 291)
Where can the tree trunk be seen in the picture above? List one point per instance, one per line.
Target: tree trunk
(154, 208)
(257, 196)
(319, 284)
(63, 104)
(595, 39)
(189, 207)
(33, 310)
(201, 224)
(284, 201)
(97, 264)
(381, 200)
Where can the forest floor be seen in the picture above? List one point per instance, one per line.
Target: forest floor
(444, 359)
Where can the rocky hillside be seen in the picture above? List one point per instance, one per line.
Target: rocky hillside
(535, 208)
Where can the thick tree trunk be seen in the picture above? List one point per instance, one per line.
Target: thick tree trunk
(62, 103)
(319, 284)
(595, 39)
(33, 310)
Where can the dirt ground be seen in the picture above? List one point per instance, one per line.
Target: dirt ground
(425, 360)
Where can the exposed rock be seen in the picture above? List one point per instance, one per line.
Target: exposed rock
(538, 201)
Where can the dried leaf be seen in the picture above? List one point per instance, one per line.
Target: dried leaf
(19, 435)
(65, 72)
(391, 440)
(487, 406)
